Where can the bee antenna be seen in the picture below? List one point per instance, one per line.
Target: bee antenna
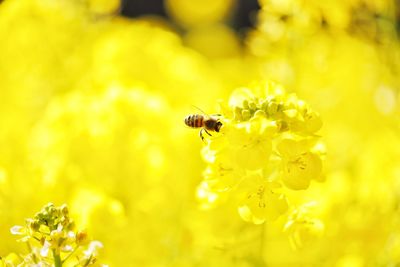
(196, 107)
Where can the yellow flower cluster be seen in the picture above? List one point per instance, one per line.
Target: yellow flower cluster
(343, 57)
(267, 138)
(53, 241)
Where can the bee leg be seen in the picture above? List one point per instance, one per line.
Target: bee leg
(201, 133)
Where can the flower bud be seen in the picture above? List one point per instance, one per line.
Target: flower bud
(238, 114)
(260, 113)
(272, 108)
(246, 115)
(64, 210)
(252, 105)
(246, 104)
(81, 237)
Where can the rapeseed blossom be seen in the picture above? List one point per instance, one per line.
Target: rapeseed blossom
(299, 164)
(53, 241)
(303, 227)
(266, 140)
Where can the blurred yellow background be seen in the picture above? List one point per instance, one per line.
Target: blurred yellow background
(92, 108)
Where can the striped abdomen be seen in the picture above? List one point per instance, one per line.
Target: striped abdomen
(195, 120)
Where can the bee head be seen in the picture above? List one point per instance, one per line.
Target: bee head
(218, 126)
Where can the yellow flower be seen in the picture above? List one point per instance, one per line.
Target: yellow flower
(299, 164)
(261, 200)
(302, 227)
(252, 142)
(300, 117)
(221, 178)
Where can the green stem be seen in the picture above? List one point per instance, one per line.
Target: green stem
(72, 252)
(262, 242)
(88, 261)
(57, 259)
(30, 251)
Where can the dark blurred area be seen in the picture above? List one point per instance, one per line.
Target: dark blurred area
(241, 19)
(137, 8)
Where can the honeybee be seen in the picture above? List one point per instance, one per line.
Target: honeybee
(206, 123)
